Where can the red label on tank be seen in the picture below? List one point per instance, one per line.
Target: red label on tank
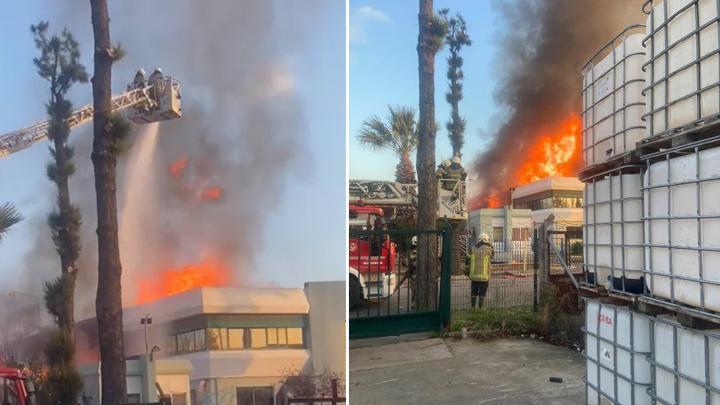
(605, 319)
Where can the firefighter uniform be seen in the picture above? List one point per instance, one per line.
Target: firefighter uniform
(442, 170)
(479, 271)
(455, 172)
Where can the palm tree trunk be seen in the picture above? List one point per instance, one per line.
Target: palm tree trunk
(427, 186)
(404, 171)
(108, 302)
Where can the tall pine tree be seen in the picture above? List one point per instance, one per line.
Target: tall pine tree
(457, 38)
(59, 64)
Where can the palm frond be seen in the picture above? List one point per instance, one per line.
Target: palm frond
(9, 216)
(376, 135)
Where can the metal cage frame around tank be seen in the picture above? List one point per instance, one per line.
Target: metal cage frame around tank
(592, 181)
(652, 391)
(588, 67)
(666, 156)
(668, 75)
(615, 346)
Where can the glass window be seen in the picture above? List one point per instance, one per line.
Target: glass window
(497, 234)
(236, 339)
(134, 398)
(254, 396)
(282, 337)
(217, 339)
(185, 342)
(258, 338)
(200, 339)
(171, 344)
(272, 336)
(295, 336)
(520, 234)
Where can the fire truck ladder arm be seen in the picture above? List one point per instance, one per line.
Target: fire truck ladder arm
(24, 138)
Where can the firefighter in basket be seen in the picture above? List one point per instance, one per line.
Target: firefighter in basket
(442, 172)
(455, 173)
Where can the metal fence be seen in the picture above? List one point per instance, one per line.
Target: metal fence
(312, 391)
(522, 270)
(512, 280)
(393, 289)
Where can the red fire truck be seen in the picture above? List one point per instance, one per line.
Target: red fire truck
(16, 390)
(372, 274)
(373, 271)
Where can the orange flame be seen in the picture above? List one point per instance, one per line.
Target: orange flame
(206, 273)
(211, 194)
(177, 167)
(494, 201)
(555, 154)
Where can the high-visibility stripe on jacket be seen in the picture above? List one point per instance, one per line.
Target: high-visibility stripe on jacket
(480, 258)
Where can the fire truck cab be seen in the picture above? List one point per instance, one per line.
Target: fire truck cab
(15, 389)
(373, 258)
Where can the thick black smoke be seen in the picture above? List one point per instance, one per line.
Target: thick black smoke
(243, 125)
(543, 46)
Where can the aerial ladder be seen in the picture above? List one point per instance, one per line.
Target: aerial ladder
(157, 99)
(390, 194)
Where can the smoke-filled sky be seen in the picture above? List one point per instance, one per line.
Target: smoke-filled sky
(522, 74)
(542, 47)
(263, 97)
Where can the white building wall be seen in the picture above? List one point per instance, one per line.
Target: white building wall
(327, 325)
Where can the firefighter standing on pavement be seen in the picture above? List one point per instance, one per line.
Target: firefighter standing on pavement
(479, 270)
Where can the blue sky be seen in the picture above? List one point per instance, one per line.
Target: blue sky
(383, 71)
(314, 200)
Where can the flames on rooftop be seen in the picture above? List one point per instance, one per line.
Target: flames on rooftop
(554, 153)
(542, 48)
(192, 182)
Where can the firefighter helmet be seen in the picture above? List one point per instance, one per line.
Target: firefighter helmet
(484, 238)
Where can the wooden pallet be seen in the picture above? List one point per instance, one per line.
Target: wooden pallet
(687, 134)
(687, 316)
(592, 291)
(625, 160)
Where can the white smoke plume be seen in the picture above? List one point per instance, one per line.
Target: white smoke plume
(242, 129)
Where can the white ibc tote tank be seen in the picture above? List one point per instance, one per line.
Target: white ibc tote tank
(617, 346)
(613, 227)
(613, 103)
(682, 226)
(682, 72)
(686, 363)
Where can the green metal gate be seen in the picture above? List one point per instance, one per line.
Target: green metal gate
(394, 300)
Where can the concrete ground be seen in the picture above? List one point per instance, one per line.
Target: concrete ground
(452, 371)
